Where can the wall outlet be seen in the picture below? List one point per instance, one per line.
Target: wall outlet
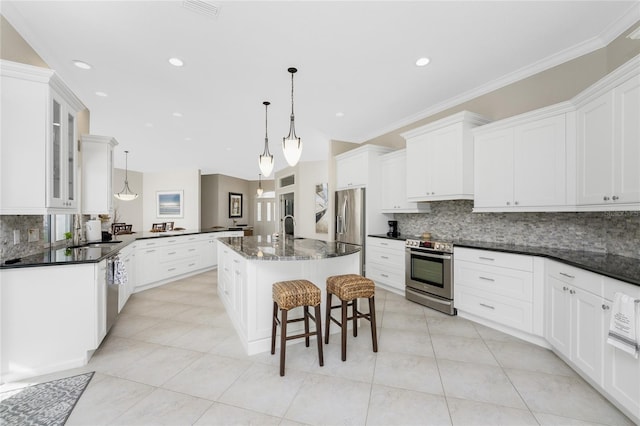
(34, 235)
(16, 236)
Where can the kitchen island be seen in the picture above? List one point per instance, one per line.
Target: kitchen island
(248, 267)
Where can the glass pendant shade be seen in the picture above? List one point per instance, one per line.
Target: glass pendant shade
(126, 194)
(259, 191)
(265, 161)
(291, 144)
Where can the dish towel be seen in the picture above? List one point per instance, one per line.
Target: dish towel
(119, 272)
(624, 327)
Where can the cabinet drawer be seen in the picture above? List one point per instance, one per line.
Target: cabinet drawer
(495, 258)
(391, 278)
(501, 281)
(504, 310)
(392, 258)
(574, 276)
(386, 243)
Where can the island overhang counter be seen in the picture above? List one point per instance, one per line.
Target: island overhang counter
(248, 267)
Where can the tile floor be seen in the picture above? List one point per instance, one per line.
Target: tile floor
(173, 358)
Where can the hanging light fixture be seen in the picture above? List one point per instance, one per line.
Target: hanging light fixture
(265, 161)
(259, 191)
(291, 144)
(126, 194)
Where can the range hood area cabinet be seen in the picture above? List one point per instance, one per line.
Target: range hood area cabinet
(440, 158)
(38, 165)
(97, 174)
(521, 163)
(608, 141)
(393, 169)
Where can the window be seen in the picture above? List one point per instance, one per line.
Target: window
(259, 212)
(59, 224)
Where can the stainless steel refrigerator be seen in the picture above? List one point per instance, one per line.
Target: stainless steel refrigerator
(350, 219)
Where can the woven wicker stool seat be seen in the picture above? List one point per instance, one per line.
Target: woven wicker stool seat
(292, 294)
(349, 288)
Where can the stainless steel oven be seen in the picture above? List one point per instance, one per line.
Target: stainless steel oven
(429, 274)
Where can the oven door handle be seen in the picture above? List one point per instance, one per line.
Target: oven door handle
(427, 255)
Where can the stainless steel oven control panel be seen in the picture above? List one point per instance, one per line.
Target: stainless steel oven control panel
(430, 245)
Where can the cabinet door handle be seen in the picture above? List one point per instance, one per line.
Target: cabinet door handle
(565, 288)
(486, 258)
(487, 306)
(384, 257)
(572, 291)
(486, 279)
(236, 261)
(615, 198)
(171, 269)
(605, 307)
(384, 275)
(171, 253)
(191, 264)
(605, 198)
(384, 244)
(567, 275)
(151, 251)
(192, 249)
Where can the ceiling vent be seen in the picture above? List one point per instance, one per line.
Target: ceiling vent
(202, 7)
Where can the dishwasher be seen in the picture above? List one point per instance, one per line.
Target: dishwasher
(113, 291)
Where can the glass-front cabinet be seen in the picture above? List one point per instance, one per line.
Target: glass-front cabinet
(62, 165)
(39, 144)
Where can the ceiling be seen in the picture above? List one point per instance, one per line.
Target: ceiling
(356, 58)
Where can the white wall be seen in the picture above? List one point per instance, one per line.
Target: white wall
(129, 211)
(184, 180)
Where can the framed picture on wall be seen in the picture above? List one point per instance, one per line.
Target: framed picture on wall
(235, 204)
(170, 204)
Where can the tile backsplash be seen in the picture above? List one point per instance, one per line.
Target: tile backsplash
(9, 250)
(611, 232)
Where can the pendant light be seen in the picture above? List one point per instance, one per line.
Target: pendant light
(259, 191)
(126, 194)
(291, 144)
(265, 161)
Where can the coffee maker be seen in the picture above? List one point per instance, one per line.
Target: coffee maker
(393, 229)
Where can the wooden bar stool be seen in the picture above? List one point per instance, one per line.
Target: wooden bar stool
(288, 295)
(349, 288)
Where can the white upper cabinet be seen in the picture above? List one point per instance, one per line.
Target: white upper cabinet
(38, 165)
(521, 163)
(609, 145)
(97, 174)
(393, 170)
(359, 167)
(440, 159)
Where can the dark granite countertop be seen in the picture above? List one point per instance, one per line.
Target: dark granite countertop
(611, 265)
(69, 256)
(261, 248)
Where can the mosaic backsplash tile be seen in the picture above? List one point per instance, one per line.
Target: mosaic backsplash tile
(610, 232)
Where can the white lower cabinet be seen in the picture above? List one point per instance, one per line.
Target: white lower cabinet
(161, 259)
(498, 288)
(385, 262)
(578, 306)
(232, 283)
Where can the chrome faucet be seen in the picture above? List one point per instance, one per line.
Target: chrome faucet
(284, 228)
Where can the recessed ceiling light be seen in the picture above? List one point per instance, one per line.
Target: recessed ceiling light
(81, 64)
(176, 62)
(227, 149)
(421, 62)
(187, 139)
(177, 114)
(339, 114)
(102, 94)
(148, 124)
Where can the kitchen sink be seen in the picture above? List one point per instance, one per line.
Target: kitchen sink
(96, 244)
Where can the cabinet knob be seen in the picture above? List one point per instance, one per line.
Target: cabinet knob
(572, 292)
(516, 203)
(508, 203)
(615, 198)
(565, 288)
(605, 198)
(605, 307)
